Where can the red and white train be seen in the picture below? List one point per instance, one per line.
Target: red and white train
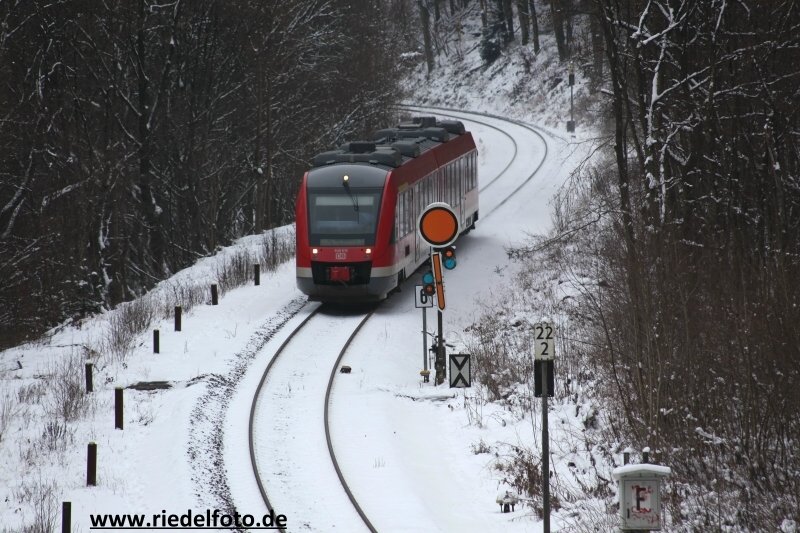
(357, 207)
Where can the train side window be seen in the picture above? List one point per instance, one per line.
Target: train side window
(473, 171)
(465, 166)
(446, 188)
(439, 194)
(459, 179)
(405, 210)
(429, 190)
(462, 177)
(402, 215)
(409, 211)
(468, 171)
(456, 183)
(405, 213)
(451, 184)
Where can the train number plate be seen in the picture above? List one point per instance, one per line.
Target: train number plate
(340, 254)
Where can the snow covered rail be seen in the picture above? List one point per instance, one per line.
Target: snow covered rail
(328, 429)
(287, 453)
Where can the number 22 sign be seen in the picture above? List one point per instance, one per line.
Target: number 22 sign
(544, 341)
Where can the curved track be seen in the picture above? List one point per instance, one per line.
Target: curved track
(482, 123)
(294, 384)
(299, 461)
(469, 115)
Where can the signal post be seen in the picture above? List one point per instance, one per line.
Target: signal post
(438, 227)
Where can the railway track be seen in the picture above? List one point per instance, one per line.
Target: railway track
(291, 451)
(470, 116)
(294, 377)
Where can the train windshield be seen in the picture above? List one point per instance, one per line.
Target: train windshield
(343, 217)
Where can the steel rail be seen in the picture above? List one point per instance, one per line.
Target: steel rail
(251, 425)
(340, 475)
(328, 431)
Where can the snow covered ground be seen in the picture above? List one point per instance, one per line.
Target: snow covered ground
(409, 450)
(405, 446)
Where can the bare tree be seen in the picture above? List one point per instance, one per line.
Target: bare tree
(425, 19)
(505, 7)
(534, 25)
(709, 222)
(132, 134)
(558, 14)
(522, 12)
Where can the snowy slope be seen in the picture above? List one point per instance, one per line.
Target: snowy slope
(407, 448)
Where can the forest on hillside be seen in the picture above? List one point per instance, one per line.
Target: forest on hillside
(139, 136)
(699, 318)
(683, 236)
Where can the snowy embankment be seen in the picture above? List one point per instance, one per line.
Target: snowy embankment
(419, 457)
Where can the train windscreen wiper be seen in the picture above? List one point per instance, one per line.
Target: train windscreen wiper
(353, 198)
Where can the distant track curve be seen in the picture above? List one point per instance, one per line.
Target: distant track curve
(459, 113)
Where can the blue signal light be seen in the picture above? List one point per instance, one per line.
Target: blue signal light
(427, 278)
(449, 257)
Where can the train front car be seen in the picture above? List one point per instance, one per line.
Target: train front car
(338, 223)
(358, 205)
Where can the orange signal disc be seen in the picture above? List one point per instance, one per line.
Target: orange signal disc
(438, 226)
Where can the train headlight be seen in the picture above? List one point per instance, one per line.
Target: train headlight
(369, 251)
(314, 251)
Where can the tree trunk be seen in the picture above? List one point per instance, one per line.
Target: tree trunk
(522, 11)
(258, 190)
(484, 18)
(153, 241)
(508, 13)
(621, 115)
(557, 12)
(534, 25)
(597, 45)
(425, 18)
(268, 156)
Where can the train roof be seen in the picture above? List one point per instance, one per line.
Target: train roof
(392, 147)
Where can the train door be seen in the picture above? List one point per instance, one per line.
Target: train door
(424, 190)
